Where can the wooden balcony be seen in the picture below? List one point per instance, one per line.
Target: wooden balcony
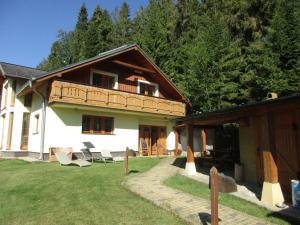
(66, 92)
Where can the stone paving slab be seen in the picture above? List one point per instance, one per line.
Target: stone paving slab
(194, 210)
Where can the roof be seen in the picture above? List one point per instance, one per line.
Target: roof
(13, 70)
(233, 113)
(99, 56)
(102, 56)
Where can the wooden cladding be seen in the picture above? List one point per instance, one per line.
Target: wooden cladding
(66, 92)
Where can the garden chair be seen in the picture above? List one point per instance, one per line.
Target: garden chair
(106, 155)
(63, 159)
(88, 156)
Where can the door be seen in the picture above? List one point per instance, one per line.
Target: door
(286, 147)
(145, 140)
(25, 131)
(161, 141)
(152, 140)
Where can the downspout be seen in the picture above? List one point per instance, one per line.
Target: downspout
(44, 105)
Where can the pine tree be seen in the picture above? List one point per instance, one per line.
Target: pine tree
(284, 40)
(60, 54)
(98, 37)
(122, 30)
(79, 34)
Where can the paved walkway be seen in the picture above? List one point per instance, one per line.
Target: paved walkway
(192, 209)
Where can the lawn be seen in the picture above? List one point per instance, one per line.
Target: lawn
(201, 190)
(47, 193)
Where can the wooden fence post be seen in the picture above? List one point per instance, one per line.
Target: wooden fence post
(214, 192)
(126, 160)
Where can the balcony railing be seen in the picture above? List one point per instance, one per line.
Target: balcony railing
(66, 92)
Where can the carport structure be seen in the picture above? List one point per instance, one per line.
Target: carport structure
(269, 142)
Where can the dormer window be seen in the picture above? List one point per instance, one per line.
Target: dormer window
(104, 79)
(147, 88)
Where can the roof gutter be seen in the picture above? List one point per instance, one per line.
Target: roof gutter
(44, 106)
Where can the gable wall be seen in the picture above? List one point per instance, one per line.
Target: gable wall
(127, 79)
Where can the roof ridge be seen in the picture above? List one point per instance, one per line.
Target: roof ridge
(21, 66)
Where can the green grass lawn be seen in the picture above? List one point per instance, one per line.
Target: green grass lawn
(201, 190)
(47, 193)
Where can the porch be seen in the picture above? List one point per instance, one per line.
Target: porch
(268, 144)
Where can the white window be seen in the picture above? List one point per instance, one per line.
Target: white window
(5, 95)
(37, 122)
(104, 79)
(147, 88)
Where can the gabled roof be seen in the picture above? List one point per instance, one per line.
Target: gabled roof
(13, 70)
(101, 57)
(234, 113)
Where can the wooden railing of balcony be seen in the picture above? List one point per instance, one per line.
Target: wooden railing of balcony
(66, 92)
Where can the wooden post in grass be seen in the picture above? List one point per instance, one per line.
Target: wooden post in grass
(126, 160)
(214, 192)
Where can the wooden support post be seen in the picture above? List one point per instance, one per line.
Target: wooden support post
(190, 163)
(203, 136)
(214, 194)
(126, 161)
(176, 142)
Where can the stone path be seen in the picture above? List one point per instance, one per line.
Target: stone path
(192, 209)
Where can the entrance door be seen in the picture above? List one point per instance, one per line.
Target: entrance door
(152, 140)
(161, 140)
(25, 131)
(287, 147)
(145, 140)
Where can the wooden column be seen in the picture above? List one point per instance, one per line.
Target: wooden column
(190, 143)
(203, 136)
(176, 141)
(190, 164)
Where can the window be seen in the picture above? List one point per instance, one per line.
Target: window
(104, 79)
(28, 100)
(3, 127)
(97, 124)
(147, 88)
(37, 120)
(5, 95)
(13, 93)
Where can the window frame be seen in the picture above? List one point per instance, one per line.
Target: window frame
(92, 119)
(30, 96)
(104, 73)
(156, 92)
(37, 123)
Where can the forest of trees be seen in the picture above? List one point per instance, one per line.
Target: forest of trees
(220, 53)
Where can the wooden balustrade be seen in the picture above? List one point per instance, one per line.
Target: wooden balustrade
(66, 92)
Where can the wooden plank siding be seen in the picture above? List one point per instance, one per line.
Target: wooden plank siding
(127, 79)
(67, 92)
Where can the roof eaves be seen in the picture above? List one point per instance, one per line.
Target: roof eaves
(247, 106)
(99, 56)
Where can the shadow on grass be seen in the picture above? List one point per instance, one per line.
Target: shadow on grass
(205, 218)
(133, 171)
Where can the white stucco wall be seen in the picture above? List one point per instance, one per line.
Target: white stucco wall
(64, 125)
(64, 129)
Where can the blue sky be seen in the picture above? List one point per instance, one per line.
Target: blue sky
(29, 27)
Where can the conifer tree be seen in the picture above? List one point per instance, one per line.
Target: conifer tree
(123, 26)
(98, 37)
(79, 34)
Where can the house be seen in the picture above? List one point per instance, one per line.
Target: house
(114, 100)
(269, 142)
